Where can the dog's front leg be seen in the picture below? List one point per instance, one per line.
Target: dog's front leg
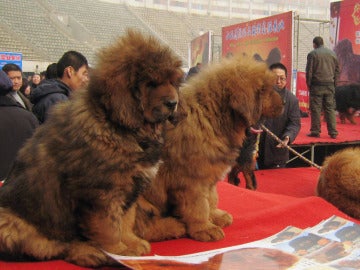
(192, 206)
(217, 216)
(135, 245)
(112, 231)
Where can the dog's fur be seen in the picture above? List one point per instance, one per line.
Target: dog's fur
(221, 102)
(71, 193)
(347, 101)
(246, 163)
(349, 62)
(339, 181)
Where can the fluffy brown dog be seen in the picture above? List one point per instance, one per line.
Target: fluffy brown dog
(72, 190)
(339, 181)
(221, 102)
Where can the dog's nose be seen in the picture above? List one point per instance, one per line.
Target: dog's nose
(171, 104)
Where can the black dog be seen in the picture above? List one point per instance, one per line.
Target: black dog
(347, 101)
(246, 162)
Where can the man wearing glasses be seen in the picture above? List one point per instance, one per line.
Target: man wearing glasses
(286, 126)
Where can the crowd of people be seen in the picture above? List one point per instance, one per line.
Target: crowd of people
(26, 103)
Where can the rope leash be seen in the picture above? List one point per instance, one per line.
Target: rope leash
(289, 148)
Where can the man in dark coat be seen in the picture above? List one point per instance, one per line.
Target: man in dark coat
(17, 125)
(286, 126)
(15, 74)
(72, 72)
(193, 71)
(322, 75)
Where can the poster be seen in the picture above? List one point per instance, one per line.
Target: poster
(10, 57)
(200, 50)
(268, 39)
(302, 92)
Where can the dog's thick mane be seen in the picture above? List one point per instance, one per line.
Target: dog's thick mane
(124, 67)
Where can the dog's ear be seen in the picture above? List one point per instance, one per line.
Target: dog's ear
(126, 106)
(243, 105)
(119, 102)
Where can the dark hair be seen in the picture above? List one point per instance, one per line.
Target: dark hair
(25, 83)
(318, 41)
(5, 83)
(51, 71)
(70, 58)
(11, 67)
(279, 66)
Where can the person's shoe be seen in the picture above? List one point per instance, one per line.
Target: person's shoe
(313, 135)
(333, 136)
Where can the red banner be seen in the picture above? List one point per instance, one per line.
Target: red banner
(302, 92)
(268, 39)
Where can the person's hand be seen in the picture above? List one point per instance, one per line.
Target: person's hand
(284, 143)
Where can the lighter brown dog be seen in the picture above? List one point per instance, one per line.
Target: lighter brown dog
(72, 191)
(221, 102)
(339, 181)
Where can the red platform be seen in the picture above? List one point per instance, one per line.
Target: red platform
(284, 197)
(347, 133)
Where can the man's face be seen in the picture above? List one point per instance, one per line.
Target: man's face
(16, 78)
(79, 79)
(280, 78)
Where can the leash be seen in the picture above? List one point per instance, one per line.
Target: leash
(289, 148)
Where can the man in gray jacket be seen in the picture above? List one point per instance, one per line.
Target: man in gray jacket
(322, 73)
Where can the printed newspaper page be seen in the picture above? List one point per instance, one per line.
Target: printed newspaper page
(332, 244)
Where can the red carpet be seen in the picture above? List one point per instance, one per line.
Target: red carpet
(347, 133)
(296, 182)
(284, 197)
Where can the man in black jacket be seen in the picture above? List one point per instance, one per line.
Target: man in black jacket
(15, 74)
(72, 72)
(17, 125)
(322, 73)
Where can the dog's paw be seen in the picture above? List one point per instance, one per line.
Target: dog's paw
(137, 248)
(174, 229)
(85, 255)
(165, 228)
(206, 234)
(221, 218)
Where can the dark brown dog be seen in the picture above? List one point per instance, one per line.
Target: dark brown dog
(347, 102)
(246, 162)
(339, 181)
(349, 62)
(221, 102)
(73, 188)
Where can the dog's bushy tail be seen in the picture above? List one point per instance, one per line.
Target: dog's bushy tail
(19, 240)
